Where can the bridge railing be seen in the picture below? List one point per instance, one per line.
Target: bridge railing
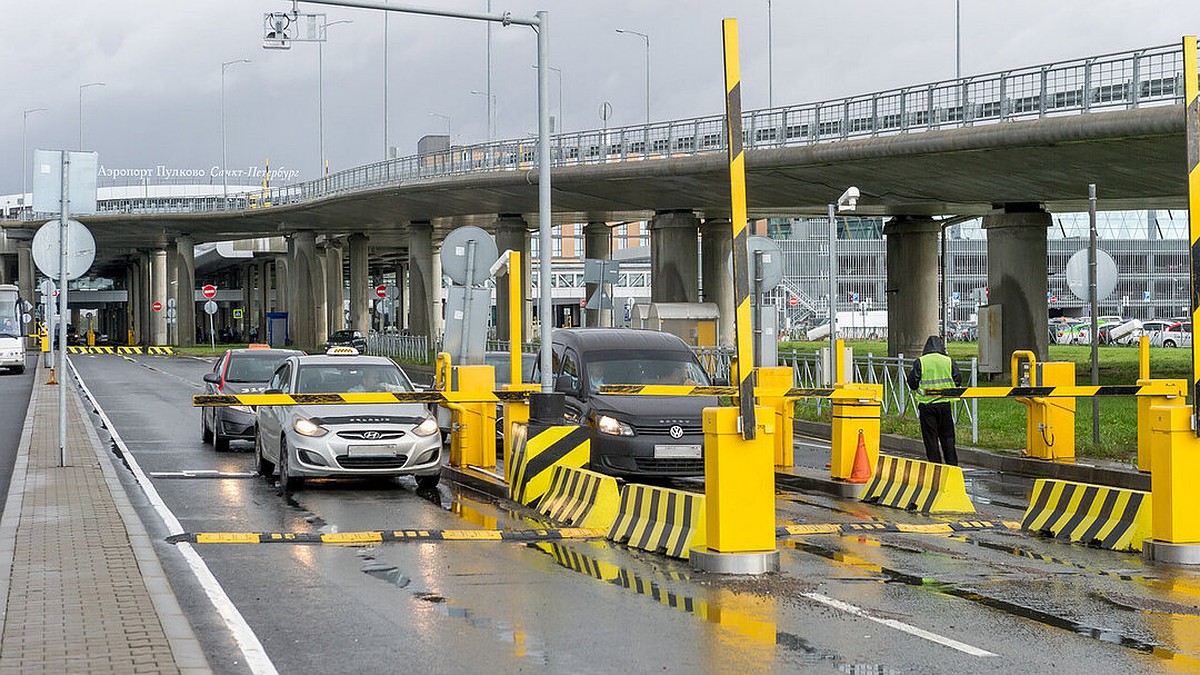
(1125, 80)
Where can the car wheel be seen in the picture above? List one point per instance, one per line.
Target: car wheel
(1168, 343)
(428, 482)
(205, 434)
(20, 370)
(287, 482)
(220, 441)
(265, 468)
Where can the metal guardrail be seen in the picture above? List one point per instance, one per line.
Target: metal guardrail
(414, 348)
(1124, 80)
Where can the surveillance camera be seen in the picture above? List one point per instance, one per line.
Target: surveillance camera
(849, 199)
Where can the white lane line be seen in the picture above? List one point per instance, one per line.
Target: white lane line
(252, 650)
(202, 473)
(898, 625)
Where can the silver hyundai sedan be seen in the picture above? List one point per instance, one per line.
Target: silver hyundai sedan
(386, 439)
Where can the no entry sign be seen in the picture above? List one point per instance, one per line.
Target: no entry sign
(157, 306)
(381, 291)
(209, 291)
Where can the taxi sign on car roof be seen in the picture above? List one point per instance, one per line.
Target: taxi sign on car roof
(258, 345)
(342, 351)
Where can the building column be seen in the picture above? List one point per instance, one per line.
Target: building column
(420, 278)
(512, 233)
(264, 296)
(283, 289)
(133, 304)
(674, 257)
(1017, 281)
(360, 281)
(305, 290)
(597, 245)
(912, 283)
(185, 291)
(401, 296)
(437, 318)
(335, 294)
(25, 272)
(158, 281)
(716, 247)
(320, 300)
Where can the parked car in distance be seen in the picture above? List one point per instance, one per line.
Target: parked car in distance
(238, 371)
(1152, 326)
(1178, 334)
(346, 338)
(343, 440)
(632, 435)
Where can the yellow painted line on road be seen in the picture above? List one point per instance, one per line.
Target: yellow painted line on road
(381, 536)
(802, 529)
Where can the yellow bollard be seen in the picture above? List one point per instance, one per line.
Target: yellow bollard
(45, 337)
(473, 435)
(1175, 503)
(739, 493)
(1049, 422)
(785, 411)
(855, 409)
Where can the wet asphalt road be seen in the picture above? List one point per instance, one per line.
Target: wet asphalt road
(936, 602)
(15, 390)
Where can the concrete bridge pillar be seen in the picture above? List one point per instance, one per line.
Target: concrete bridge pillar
(25, 271)
(716, 245)
(262, 292)
(437, 319)
(360, 281)
(185, 291)
(420, 277)
(674, 257)
(912, 283)
(283, 288)
(597, 244)
(5, 276)
(158, 280)
(133, 303)
(145, 262)
(1016, 251)
(402, 296)
(335, 294)
(306, 296)
(512, 232)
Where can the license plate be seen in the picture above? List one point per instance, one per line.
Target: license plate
(370, 450)
(677, 451)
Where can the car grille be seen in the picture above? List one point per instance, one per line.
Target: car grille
(370, 435)
(665, 429)
(381, 462)
(672, 465)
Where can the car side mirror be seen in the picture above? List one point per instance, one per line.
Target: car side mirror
(564, 384)
(212, 378)
(273, 391)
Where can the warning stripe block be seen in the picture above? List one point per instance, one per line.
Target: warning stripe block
(379, 536)
(164, 351)
(689, 390)
(1167, 388)
(582, 498)
(537, 450)
(660, 520)
(1112, 518)
(917, 485)
(802, 529)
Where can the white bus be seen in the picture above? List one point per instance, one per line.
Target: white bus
(12, 333)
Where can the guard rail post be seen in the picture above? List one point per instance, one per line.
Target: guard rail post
(785, 411)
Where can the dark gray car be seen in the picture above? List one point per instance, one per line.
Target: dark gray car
(238, 371)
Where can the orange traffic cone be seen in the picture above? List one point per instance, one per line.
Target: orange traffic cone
(861, 472)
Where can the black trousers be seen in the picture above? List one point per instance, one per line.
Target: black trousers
(937, 424)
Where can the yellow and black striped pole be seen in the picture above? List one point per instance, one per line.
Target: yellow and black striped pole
(1192, 131)
(741, 255)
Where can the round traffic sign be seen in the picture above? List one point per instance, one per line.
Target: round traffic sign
(209, 291)
(157, 306)
(381, 291)
(210, 307)
(1053, 299)
(793, 301)
(81, 249)
(457, 255)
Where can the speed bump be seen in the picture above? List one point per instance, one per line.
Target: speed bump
(660, 520)
(537, 450)
(917, 485)
(581, 498)
(368, 537)
(1112, 518)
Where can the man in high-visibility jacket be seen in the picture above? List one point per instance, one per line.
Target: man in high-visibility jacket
(935, 370)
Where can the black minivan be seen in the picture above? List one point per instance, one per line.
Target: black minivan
(632, 435)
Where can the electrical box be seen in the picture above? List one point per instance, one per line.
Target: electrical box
(991, 343)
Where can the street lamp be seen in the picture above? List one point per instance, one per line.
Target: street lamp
(447, 118)
(224, 150)
(770, 58)
(24, 170)
(847, 202)
(321, 92)
(491, 106)
(560, 108)
(647, 39)
(81, 88)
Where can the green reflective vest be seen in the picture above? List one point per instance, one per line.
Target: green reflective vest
(936, 373)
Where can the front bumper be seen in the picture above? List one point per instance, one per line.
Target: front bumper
(331, 455)
(634, 456)
(235, 424)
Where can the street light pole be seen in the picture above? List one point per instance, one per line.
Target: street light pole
(224, 150)
(560, 108)
(647, 39)
(490, 103)
(81, 88)
(321, 92)
(770, 58)
(958, 39)
(449, 136)
(24, 160)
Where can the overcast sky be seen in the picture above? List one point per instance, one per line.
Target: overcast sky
(161, 60)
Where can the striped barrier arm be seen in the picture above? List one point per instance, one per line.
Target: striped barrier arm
(1164, 388)
(349, 398)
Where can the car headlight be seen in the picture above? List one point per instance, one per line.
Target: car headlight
(305, 427)
(427, 428)
(612, 426)
(241, 408)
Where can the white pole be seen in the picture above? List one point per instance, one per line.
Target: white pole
(545, 306)
(64, 210)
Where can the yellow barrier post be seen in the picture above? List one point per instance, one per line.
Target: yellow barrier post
(1049, 422)
(1175, 503)
(739, 494)
(473, 438)
(784, 407)
(856, 408)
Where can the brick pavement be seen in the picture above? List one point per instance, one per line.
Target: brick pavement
(84, 590)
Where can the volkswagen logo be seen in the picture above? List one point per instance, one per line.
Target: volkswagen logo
(370, 435)
(676, 431)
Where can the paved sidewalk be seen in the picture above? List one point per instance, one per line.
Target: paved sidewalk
(83, 588)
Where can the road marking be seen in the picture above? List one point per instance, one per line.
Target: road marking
(203, 473)
(252, 649)
(381, 536)
(898, 625)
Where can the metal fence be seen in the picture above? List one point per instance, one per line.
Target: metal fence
(413, 348)
(1125, 80)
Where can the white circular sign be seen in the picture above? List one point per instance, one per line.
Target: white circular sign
(210, 307)
(81, 249)
(1077, 274)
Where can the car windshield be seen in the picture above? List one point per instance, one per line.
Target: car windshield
(342, 335)
(333, 378)
(253, 367)
(500, 361)
(621, 367)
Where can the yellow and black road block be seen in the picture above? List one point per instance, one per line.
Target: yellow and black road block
(1096, 515)
(162, 351)
(660, 520)
(381, 536)
(129, 350)
(917, 485)
(802, 529)
(581, 498)
(537, 450)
